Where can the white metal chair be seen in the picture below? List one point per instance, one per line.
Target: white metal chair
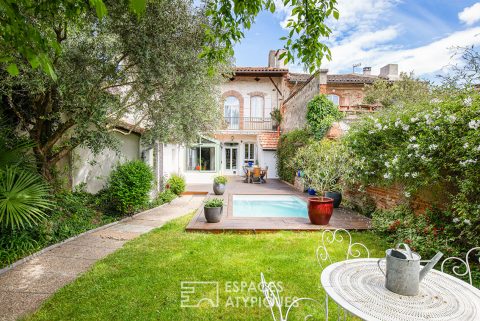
(462, 267)
(274, 301)
(323, 257)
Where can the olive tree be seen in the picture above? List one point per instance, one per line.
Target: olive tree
(143, 68)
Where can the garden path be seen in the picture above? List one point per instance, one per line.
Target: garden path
(24, 287)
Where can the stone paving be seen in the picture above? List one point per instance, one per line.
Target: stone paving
(26, 286)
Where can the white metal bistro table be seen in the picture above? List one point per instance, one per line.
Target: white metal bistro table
(358, 286)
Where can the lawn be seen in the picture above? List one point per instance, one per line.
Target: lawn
(142, 281)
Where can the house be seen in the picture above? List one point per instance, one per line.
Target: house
(248, 134)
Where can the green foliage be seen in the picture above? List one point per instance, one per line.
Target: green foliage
(164, 197)
(220, 180)
(176, 183)
(306, 27)
(321, 113)
(24, 197)
(288, 145)
(129, 186)
(71, 214)
(323, 164)
(99, 58)
(427, 233)
(276, 115)
(406, 90)
(214, 202)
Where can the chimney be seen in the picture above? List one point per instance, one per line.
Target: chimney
(389, 71)
(367, 71)
(274, 60)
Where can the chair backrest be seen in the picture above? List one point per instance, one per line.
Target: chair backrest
(274, 301)
(462, 267)
(256, 172)
(329, 237)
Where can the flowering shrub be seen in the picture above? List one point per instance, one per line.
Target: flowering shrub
(435, 143)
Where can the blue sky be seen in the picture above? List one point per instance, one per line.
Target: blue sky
(416, 34)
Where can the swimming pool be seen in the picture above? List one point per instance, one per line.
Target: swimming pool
(269, 206)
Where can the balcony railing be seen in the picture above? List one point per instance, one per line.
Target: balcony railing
(248, 123)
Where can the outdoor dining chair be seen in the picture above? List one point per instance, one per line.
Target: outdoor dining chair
(323, 255)
(460, 267)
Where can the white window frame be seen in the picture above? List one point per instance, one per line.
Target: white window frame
(261, 114)
(332, 98)
(248, 151)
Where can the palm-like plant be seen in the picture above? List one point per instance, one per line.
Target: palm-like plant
(23, 197)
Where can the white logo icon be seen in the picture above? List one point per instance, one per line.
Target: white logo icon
(195, 294)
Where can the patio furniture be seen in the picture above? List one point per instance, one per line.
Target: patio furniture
(275, 302)
(247, 172)
(358, 286)
(460, 264)
(256, 175)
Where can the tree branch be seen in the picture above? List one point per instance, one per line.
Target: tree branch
(58, 134)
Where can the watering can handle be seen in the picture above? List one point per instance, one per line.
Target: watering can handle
(378, 263)
(407, 248)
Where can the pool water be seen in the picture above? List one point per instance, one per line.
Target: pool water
(269, 206)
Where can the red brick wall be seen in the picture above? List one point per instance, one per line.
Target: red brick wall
(390, 197)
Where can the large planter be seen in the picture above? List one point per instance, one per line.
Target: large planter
(320, 210)
(219, 189)
(213, 214)
(337, 198)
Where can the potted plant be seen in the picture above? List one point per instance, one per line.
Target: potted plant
(276, 116)
(213, 210)
(323, 164)
(219, 184)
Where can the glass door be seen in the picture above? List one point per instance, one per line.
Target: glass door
(231, 160)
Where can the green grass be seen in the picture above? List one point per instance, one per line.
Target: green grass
(142, 280)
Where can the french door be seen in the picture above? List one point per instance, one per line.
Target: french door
(231, 160)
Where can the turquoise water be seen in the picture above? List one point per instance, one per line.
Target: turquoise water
(269, 206)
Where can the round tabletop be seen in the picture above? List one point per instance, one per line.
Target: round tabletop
(359, 287)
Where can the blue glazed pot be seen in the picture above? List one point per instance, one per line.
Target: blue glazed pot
(337, 198)
(311, 191)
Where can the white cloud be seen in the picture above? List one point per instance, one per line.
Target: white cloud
(421, 60)
(471, 14)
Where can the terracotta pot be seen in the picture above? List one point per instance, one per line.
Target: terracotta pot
(320, 210)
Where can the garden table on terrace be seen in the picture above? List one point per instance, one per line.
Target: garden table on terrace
(358, 286)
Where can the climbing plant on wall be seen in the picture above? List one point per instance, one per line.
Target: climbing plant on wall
(321, 113)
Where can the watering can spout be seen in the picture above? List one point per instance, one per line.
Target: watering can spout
(430, 265)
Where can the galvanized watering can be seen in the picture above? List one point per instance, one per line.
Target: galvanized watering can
(404, 273)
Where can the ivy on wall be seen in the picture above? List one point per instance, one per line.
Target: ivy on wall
(321, 113)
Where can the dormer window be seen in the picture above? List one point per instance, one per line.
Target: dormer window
(334, 99)
(257, 107)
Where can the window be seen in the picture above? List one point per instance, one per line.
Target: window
(249, 152)
(256, 107)
(334, 99)
(231, 111)
(202, 156)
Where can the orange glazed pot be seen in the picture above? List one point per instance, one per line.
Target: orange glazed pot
(320, 210)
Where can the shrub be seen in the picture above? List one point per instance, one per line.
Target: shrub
(321, 113)
(288, 145)
(220, 180)
(323, 164)
(164, 197)
(214, 202)
(176, 184)
(129, 186)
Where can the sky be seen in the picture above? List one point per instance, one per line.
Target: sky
(418, 35)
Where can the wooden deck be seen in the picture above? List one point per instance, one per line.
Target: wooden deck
(341, 218)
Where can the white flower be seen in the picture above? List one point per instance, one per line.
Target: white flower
(468, 161)
(468, 222)
(413, 119)
(467, 101)
(406, 174)
(456, 220)
(387, 164)
(378, 126)
(474, 124)
(465, 145)
(414, 174)
(398, 123)
(412, 139)
(407, 194)
(478, 148)
(406, 127)
(371, 132)
(410, 155)
(436, 128)
(452, 118)
(386, 176)
(433, 147)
